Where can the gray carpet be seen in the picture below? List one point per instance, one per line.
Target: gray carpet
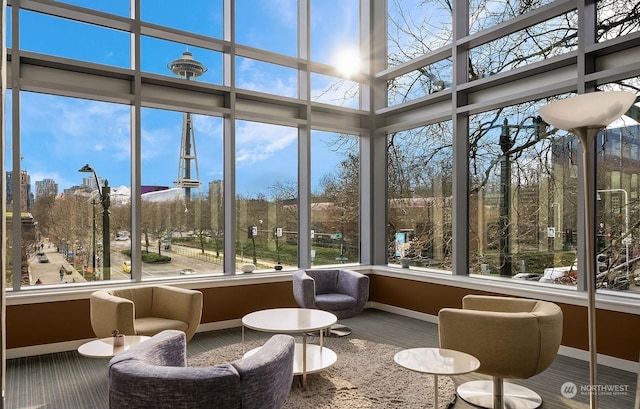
(365, 376)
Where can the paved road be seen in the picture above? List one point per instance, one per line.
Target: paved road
(181, 259)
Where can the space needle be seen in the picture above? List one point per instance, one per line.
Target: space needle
(186, 67)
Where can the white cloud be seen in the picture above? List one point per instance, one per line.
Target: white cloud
(257, 142)
(76, 126)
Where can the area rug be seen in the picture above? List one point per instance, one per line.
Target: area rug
(365, 376)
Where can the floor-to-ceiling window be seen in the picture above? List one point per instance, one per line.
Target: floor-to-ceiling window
(240, 129)
(520, 214)
(181, 161)
(419, 207)
(74, 153)
(335, 210)
(266, 195)
(522, 194)
(133, 118)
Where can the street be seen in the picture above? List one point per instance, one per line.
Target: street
(182, 258)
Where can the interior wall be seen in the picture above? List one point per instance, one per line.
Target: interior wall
(70, 321)
(614, 335)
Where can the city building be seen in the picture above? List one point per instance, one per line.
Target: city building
(46, 187)
(25, 195)
(91, 183)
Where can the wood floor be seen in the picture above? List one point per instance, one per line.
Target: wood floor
(67, 380)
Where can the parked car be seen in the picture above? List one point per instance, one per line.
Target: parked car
(553, 274)
(527, 276)
(126, 266)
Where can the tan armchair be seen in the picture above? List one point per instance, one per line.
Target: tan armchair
(513, 338)
(145, 310)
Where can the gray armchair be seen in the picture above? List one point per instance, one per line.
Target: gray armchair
(341, 292)
(153, 374)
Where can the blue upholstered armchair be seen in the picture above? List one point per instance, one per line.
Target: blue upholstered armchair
(341, 292)
(153, 374)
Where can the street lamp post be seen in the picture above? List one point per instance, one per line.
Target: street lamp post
(105, 201)
(93, 238)
(506, 143)
(555, 206)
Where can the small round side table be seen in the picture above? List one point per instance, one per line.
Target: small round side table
(437, 361)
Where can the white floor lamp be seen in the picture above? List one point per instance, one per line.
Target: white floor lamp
(585, 115)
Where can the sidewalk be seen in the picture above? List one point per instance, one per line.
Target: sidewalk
(49, 273)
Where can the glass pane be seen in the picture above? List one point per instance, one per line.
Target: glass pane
(268, 25)
(335, 35)
(617, 199)
(164, 57)
(8, 164)
(260, 76)
(266, 196)
(335, 201)
(181, 204)
(417, 27)
(419, 189)
(617, 18)
(199, 16)
(545, 40)
(73, 39)
(485, 14)
(7, 31)
(81, 181)
(427, 80)
(523, 203)
(119, 7)
(335, 91)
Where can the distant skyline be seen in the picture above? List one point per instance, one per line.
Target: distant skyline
(58, 135)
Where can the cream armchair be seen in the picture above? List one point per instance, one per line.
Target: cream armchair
(145, 310)
(513, 338)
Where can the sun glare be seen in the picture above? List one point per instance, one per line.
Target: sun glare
(347, 62)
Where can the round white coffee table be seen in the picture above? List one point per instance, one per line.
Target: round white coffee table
(103, 347)
(437, 361)
(308, 358)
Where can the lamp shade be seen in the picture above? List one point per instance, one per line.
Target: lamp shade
(592, 110)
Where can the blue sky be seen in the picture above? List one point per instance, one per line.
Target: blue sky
(59, 134)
